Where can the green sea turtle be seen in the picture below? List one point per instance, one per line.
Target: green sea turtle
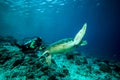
(66, 45)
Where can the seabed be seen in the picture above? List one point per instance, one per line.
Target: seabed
(16, 65)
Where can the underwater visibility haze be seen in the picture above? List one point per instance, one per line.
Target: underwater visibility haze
(57, 19)
(53, 20)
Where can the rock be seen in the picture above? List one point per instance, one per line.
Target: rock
(62, 72)
(53, 77)
(90, 61)
(45, 68)
(117, 68)
(70, 56)
(12, 48)
(18, 62)
(65, 71)
(9, 39)
(105, 68)
(79, 60)
(31, 76)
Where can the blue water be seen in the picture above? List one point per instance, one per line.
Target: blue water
(57, 19)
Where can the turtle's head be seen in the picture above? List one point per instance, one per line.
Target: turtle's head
(80, 34)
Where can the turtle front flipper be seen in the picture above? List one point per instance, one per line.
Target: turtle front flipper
(80, 35)
(83, 43)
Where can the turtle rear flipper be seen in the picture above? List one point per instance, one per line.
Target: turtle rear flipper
(48, 59)
(80, 34)
(44, 54)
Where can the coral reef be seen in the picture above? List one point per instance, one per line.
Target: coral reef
(17, 65)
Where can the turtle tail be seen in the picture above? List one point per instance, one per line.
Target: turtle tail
(80, 34)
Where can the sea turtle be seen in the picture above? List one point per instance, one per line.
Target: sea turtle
(66, 45)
